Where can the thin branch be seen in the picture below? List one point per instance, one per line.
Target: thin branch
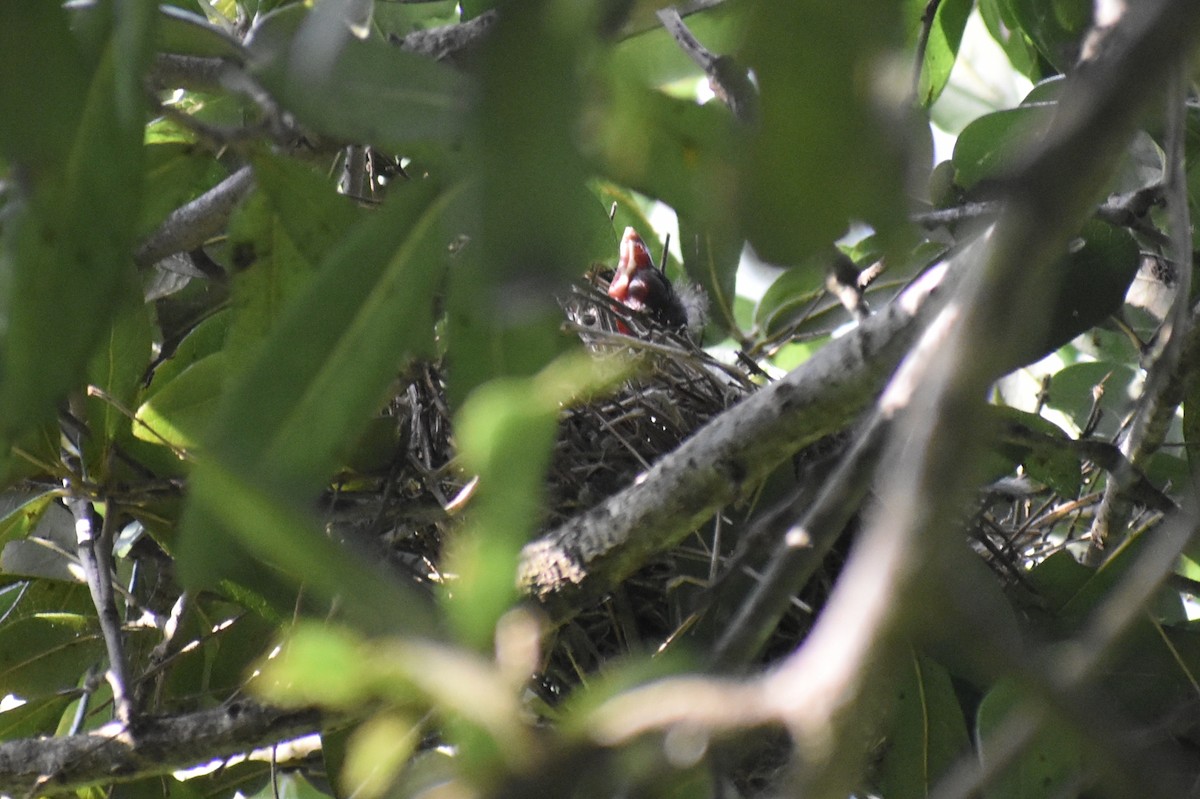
(802, 550)
(194, 73)
(729, 80)
(92, 537)
(1168, 376)
(189, 226)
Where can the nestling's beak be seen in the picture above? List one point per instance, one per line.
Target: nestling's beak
(630, 276)
(638, 284)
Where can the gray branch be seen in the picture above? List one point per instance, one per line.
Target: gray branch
(191, 225)
(46, 766)
(588, 555)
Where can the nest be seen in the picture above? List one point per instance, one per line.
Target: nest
(601, 447)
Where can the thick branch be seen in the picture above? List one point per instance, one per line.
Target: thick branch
(889, 590)
(588, 555)
(448, 41)
(161, 745)
(193, 224)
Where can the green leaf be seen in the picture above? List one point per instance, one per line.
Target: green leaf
(711, 255)
(179, 412)
(185, 33)
(1050, 460)
(1056, 27)
(505, 433)
(941, 50)
(1075, 389)
(379, 749)
(289, 785)
(318, 665)
(327, 364)
(657, 60)
(532, 221)
(76, 128)
(277, 273)
(40, 656)
(355, 90)
(22, 513)
(1093, 278)
(988, 147)
(1051, 764)
(306, 203)
(36, 717)
(115, 377)
(821, 157)
(200, 342)
(927, 732)
(997, 17)
(670, 149)
(790, 297)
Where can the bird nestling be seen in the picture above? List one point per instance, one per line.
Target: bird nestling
(641, 286)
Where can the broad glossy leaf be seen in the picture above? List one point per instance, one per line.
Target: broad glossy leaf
(1050, 765)
(36, 717)
(1056, 27)
(927, 731)
(39, 656)
(327, 363)
(941, 50)
(40, 559)
(276, 272)
(789, 297)
(654, 56)
(354, 90)
(988, 147)
(1091, 282)
(532, 221)
(1075, 389)
(201, 341)
(179, 411)
(378, 750)
(289, 785)
(1050, 462)
(673, 150)
(318, 665)
(998, 18)
(22, 513)
(180, 31)
(711, 254)
(309, 390)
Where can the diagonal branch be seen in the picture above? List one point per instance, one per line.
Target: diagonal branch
(588, 555)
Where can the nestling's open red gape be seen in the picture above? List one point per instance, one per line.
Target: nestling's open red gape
(640, 285)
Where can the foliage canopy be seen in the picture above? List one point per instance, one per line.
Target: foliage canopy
(284, 369)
